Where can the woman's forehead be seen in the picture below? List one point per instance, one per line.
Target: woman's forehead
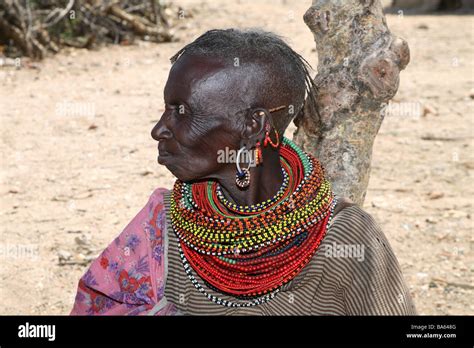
(196, 65)
(192, 76)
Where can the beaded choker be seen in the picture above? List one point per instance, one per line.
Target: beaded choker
(249, 252)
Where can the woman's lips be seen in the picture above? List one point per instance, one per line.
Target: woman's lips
(163, 159)
(163, 153)
(163, 156)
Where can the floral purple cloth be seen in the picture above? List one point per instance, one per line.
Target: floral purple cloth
(128, 277)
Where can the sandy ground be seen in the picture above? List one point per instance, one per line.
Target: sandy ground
(72, 179)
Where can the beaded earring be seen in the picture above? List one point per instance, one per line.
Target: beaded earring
(268, 140)
(242, 178)
(258, 154)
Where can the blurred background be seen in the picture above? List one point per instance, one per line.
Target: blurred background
(81, 86)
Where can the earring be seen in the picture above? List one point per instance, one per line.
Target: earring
(268, 139)
(242, 178)
(258, 154)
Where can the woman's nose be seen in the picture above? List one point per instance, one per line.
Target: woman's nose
(160, 131)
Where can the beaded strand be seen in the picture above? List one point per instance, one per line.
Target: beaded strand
(250, 252)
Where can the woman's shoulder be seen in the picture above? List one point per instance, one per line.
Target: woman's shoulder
(359, 255)
(156, 201)
(156, 209)
(354, 225)
(127, 277)
(159, 194)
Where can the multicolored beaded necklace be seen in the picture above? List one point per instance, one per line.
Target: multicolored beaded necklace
(250, 252)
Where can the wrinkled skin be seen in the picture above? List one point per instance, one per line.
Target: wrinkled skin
(209, 105)
(207, 102)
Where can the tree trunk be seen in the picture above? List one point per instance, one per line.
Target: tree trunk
(359, 62)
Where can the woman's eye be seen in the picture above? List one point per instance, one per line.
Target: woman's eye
(181, 109)
(169, 107)
(177, 109)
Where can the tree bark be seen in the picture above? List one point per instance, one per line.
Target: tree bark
(359, 62)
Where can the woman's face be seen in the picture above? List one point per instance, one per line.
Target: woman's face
(202, 98)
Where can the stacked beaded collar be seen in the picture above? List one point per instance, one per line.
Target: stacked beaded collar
(249, 252)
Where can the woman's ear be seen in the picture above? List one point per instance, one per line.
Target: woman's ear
(255, 122)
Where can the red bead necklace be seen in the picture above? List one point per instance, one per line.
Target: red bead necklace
(250, 254)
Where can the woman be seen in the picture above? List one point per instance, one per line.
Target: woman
(251, 225)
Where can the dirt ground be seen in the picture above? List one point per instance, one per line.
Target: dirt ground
(78, 161)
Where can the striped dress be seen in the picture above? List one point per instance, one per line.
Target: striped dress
(354, 272)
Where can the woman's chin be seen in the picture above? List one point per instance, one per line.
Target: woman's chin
(179, 173)
(182, 173)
